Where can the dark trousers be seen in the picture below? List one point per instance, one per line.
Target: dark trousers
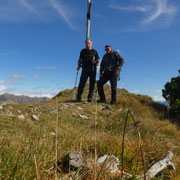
(83, 79)
(108, 76)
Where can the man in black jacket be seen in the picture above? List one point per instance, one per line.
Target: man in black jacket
(109, 71)
(88, 60)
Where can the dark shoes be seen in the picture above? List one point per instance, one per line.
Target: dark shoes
(101, 101)
(112, 103)
(89, 100)
(78, 100)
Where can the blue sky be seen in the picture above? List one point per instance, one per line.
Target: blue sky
(40, 42)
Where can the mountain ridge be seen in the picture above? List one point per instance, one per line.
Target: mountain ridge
(20, 99)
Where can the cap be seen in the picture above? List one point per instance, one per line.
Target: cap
(108, 45)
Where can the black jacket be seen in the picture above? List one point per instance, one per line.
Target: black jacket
(86, 57)
(111, 61)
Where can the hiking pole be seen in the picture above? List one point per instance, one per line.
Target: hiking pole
(75, 86)
(88, 19)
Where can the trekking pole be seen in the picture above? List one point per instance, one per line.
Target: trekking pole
(75, 86)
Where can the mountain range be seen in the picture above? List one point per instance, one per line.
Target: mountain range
(20, 99)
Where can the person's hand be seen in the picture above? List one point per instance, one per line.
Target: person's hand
(78, 68)
(94, 61)
(116, 72)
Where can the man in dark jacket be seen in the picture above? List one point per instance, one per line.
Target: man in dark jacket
(109, 71)
(88, 60)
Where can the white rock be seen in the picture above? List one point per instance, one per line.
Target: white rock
(21, 117)
(34, 117)
(1, 107)
(109, 162)
(83, 116)
(19, 111)
(52, 133)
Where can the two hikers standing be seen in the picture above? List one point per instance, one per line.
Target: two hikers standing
(109, 71)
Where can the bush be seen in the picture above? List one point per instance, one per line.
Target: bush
(172, 94)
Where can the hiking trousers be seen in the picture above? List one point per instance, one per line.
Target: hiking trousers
(82, 82)
(108, 76)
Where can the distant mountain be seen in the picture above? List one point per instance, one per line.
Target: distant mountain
(10, 98)
(163, 102)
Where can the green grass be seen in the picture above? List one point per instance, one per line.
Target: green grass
(21, 141)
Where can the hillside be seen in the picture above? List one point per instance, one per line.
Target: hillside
(10, 98)
(30, 148)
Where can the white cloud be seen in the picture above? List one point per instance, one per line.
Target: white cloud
(158, 98)
(2, 82)
(2, 89)
(135, 91)
(158, 91)
(28, 10)
(161, 12)
(129, 8)
(45, 68)
(36, 76)
(36, 94)
(61, 9)
(161, 7)
(18, 76)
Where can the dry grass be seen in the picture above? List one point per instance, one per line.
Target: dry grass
(28, 148)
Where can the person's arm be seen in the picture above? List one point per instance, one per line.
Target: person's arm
(102, 67)
(79, 62)
(95, 61)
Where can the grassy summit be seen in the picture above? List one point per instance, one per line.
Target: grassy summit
(29, 149)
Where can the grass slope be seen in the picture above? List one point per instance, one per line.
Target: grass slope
(28, 148)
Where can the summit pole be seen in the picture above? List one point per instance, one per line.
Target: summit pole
(88, 19)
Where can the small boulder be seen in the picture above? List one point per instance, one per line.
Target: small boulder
(109, 162)
(34, 117)
(19, 111)
(72, 160)
(21, 117)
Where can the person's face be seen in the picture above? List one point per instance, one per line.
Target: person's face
(88, 44)
(108, 49)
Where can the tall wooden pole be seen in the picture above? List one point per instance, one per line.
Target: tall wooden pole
(88, 19)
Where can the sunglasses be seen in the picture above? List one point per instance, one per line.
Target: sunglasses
(107, 49)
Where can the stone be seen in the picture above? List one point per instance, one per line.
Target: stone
(1, 108)
(21, 117)
(109, 162)
(34, 117)
(72, 160)
(19, 111)
(83, 116)
(106, 107)
(161, 165)
(52, 134)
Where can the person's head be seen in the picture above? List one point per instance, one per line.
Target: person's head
(108, 48)
(88, 44)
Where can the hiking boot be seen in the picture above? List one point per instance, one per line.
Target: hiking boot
(78, 100)
(89, 100)
(101, 101)
(112, 103)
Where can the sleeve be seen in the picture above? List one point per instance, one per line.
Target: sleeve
(102, 65)
(96, 57)
(80, 59)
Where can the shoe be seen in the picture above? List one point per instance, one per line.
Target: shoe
(101, 101)
(89, 100)
(78, 100)
(112, 103)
